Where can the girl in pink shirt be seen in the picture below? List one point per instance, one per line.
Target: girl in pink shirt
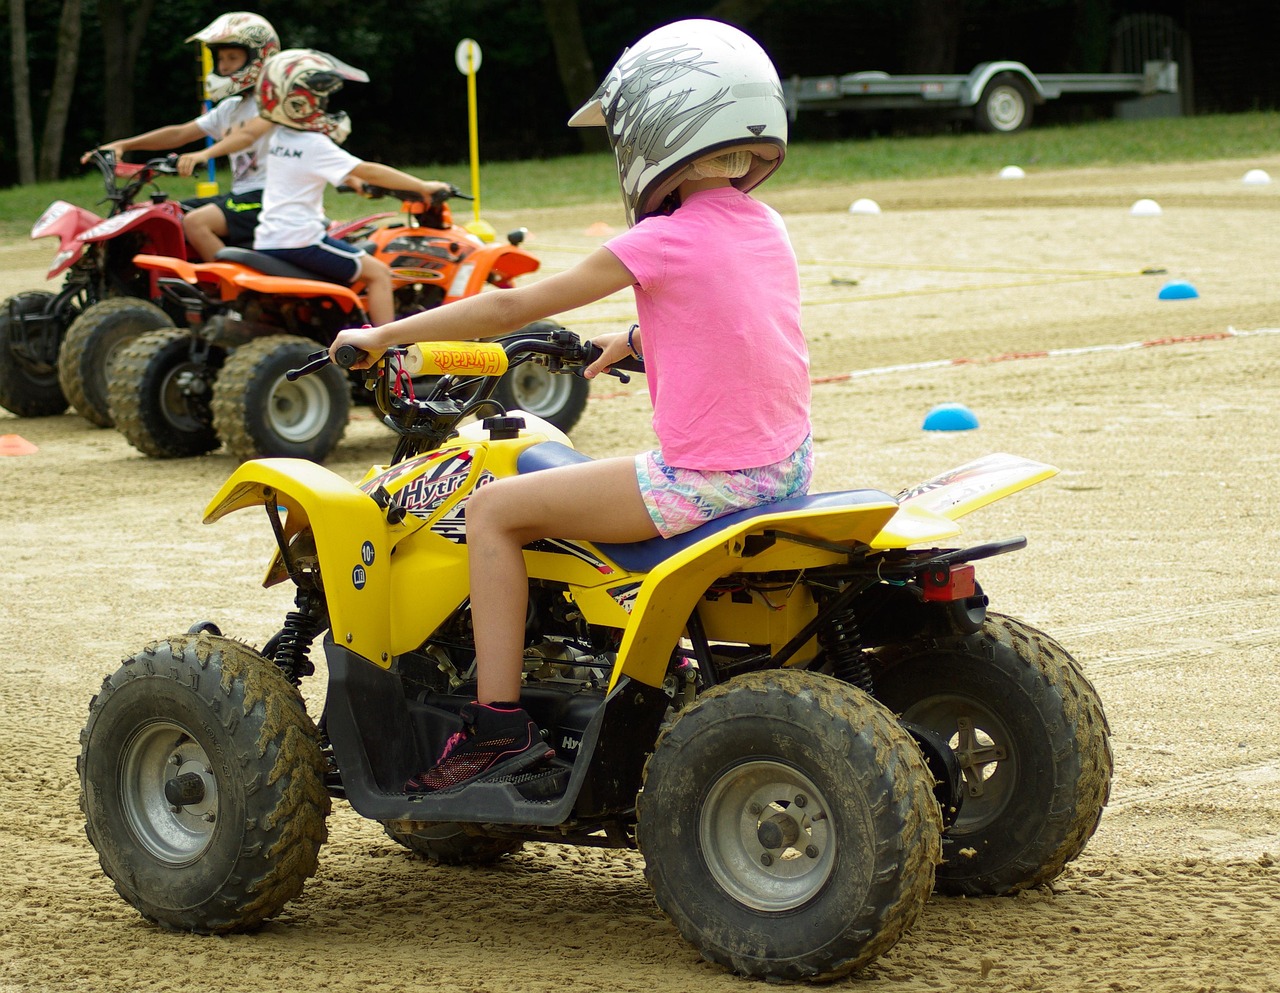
(696, 118)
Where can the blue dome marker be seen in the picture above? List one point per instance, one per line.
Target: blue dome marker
(1178, 289)
(950, 417)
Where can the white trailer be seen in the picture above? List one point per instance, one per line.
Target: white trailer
(998, 96)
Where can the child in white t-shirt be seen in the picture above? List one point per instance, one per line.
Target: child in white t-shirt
(303, 157)
(240, 43)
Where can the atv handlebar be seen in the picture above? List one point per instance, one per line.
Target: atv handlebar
(138, 175)
(408, 196)
(427, 421)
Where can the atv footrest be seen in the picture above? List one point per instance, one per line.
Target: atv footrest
(545, 782)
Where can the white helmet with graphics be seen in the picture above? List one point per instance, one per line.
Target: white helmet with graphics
(296, 86)
(683, 92)
(238, 29)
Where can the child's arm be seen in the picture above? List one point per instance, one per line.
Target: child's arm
(377, 174)
(238, 140)
(159, 140)
(487, 315)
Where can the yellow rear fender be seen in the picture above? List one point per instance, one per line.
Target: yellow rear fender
(762, 540)
(351, 537)
(927, 512)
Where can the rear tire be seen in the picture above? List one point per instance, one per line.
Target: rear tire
(1032, 741)
(84, 360)
(159, 395)
(788, 826)
(258, 413)
(28, 387)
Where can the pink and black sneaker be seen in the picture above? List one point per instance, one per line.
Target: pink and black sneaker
(496, 739)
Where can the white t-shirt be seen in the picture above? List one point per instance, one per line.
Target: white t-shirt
(302, 163)
(249, 166)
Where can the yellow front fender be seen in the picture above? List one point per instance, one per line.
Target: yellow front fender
(352, 537)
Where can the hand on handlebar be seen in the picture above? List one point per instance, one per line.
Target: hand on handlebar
(367, 353)
(613, 350)
(111, 148)
(188, 162)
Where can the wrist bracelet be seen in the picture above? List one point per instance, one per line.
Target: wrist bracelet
(631, 347)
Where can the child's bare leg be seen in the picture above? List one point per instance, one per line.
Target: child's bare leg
(206, 229)
(597, 501)
(378, 295)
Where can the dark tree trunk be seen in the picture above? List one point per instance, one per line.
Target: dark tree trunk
(64, 81)
(21, 92)
(573, 61)
(933, 36)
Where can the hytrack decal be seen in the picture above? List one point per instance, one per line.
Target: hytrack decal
(452, 525)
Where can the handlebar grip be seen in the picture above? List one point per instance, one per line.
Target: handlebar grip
(628, 364)
(348, 355)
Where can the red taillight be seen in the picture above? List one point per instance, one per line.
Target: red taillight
(954, 583)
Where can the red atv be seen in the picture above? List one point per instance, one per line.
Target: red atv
(250, 318)
(53, 346)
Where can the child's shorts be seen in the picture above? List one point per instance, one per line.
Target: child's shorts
(678, 500)
(241, 212)
(336, 261)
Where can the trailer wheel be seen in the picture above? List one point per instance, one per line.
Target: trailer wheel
(1005, 105)
(92, 339)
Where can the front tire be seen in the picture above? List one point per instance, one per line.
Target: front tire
(788, 826)
(159, 394)
(28, 385)
(258, 413)
(84, 360)
(1032, 741)
(202, 785)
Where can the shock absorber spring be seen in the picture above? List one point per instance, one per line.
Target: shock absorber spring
(288, 649)
(841, 641)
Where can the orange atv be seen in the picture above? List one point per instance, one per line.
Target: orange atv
(251, 318)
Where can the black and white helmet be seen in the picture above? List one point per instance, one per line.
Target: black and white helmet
(685, 91)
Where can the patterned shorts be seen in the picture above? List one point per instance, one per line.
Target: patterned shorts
(678, 500)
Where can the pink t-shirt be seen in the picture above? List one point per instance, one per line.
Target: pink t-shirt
(718, 297)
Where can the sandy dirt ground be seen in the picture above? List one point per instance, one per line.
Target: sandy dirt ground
(1150, 558)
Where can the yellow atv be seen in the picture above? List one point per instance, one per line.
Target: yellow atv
(801, 714)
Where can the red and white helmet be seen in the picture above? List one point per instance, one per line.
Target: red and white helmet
(238, 29)
(684, 91)
(295, 88)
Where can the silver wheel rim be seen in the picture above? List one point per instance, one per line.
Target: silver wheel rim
(984, 748)
(767, 836)
(175, 400)
(157, 753)
(1006, 108)
(298, 411)
(538, 391)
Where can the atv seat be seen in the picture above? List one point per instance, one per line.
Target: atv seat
(267, 264)
(643, 556)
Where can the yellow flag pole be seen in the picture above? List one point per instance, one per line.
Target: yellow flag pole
(207, 188)
(468, 59)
